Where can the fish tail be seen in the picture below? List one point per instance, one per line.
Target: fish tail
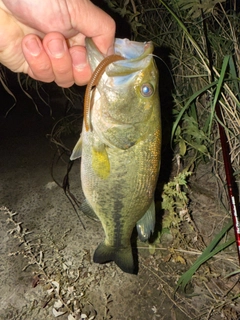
(122, 257)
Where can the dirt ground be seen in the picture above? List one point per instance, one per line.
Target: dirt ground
(52, 265)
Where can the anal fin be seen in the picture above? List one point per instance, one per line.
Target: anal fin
(145, 226)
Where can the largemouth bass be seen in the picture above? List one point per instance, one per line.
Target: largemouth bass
(120, 148)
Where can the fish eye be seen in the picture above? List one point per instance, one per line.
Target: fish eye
(147, 90)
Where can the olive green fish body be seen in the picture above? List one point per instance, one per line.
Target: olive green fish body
(121, 153)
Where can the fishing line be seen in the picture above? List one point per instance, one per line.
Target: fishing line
(66, 186)
(165, 64)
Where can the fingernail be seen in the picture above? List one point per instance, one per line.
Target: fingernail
(33, 46)
(56, 48)
(79, 60)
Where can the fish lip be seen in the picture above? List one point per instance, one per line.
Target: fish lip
(132, 50)
(137, 56)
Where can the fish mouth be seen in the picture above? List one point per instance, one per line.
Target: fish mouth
(132, 50)
(137, 56)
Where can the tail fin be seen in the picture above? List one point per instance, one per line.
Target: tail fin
(122, 257)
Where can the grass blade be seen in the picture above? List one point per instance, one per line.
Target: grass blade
(219, 87)
(190, 100)
(207, 254)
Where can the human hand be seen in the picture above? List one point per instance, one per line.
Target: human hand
(46, 39)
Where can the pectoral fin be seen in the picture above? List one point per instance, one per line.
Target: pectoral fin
(145, 226)
(77, 150)
(100, 162)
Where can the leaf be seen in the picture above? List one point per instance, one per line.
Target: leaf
(58, 313)
(219, 87)
(49, 291)
(202, 148)
(233, 273)
(151, 248)
(58, 304)
(180, 259)
(182, 147)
